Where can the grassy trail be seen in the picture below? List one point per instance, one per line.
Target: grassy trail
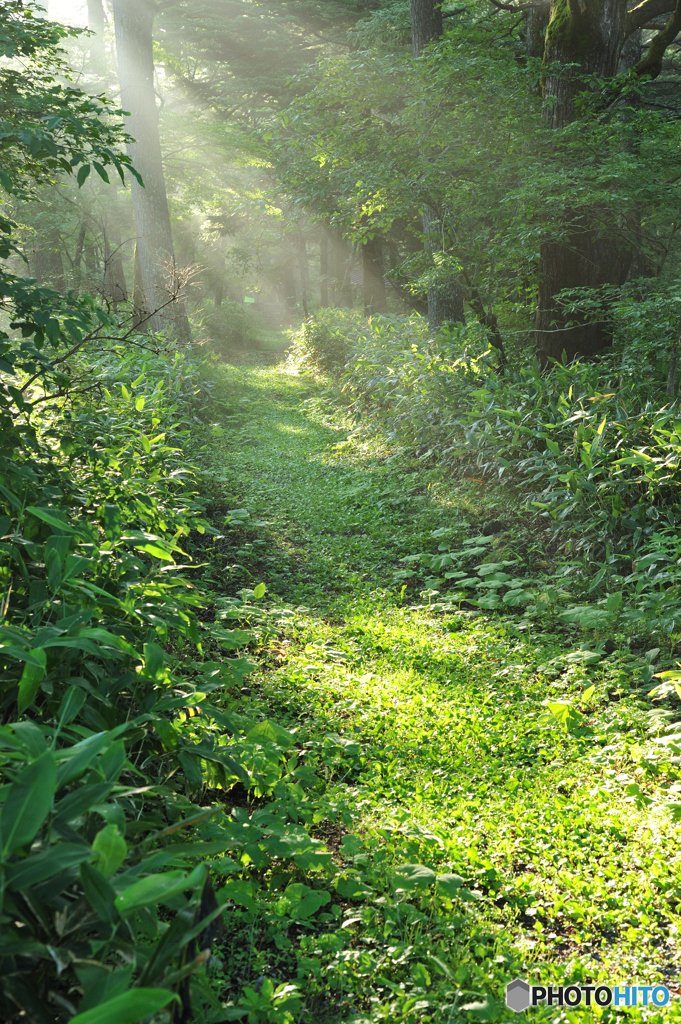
(569, 872)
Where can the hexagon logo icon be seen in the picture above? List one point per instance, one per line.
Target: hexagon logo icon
(517, 995)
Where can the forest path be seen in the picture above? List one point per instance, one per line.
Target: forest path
(564, 876)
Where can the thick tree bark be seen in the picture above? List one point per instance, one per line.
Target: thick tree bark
(426, 24)
(445, 302)
(584, 37)
(536, 23)
(374, 293)
(587, 259)
(133, 21)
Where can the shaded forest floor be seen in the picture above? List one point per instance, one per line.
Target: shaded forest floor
(559, 863)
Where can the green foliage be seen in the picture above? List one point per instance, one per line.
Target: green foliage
(230, 328)
(324, 340)
(590, 444)
(497, 782)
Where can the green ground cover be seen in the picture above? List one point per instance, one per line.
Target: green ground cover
(489, 786)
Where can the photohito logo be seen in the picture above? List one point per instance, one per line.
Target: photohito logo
(521, 996)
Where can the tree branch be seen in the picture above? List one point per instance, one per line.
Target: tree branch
(645, 12)
(651, 64)
(518, 7)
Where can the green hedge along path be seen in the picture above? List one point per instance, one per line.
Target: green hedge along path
(561, 848)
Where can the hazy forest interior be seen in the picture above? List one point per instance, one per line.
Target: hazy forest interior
(340, 548)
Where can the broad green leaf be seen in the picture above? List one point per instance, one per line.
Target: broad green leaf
(101, 171)
(83, 173)
(27, 803)
(158, 888)
(268, 732)
(156, 550)
(584, 657)
(113, 523)
(312, 859)
(259, 591)
(614, 601)
(154, 660)
(80, 757)
(11, 650)
(110, 848)
(588, 693)
(560, 711)
(239, 892)
(30, 681)
(132, 1007)
(38, 868)
(413, 876)
(53, 518)
(80, 801)
(449, 884)
(301, 902)
(72, 702)
(98, 893)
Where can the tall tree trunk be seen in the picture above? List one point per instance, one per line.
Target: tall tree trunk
(48, 264)
(78, 256)
(445, 301)
(374, 294)
(584, 37)
(342, 258)
(115, 287)
(304, 271)
(133, 21)
(323, 268)
(289, 284)
(536, 23)
(96, 22)
(140, 312)
(426, 24)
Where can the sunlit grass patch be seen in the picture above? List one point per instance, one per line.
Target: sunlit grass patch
(508, 760)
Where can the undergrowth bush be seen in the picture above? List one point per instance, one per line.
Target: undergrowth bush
(592, 450)
(229, 327)
(113, 668)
